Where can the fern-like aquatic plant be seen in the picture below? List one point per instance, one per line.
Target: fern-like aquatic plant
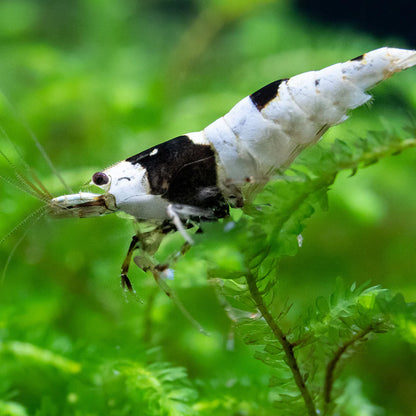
(154, 389)
(306, 359)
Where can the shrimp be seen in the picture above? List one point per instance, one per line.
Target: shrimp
(198, 176)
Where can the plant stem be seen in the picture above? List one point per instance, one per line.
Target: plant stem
(286, 345)
(330, 368)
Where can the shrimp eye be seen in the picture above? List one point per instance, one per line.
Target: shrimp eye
(100, 178)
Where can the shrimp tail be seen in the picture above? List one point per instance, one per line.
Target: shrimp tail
(406, 60)
(367, 70)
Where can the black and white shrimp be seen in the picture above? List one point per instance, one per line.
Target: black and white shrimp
(198, 176)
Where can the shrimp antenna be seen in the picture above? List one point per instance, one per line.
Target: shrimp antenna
(24, 184)
(161, 281)
(29, 170)
(39, 147)
(21, 186)
(37, 215)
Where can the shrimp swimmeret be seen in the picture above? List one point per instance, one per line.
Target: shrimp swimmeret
(199, 175)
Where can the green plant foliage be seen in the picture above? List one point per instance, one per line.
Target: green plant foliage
(12, 409)
(158, 388)
(335, 326)
(307, 293)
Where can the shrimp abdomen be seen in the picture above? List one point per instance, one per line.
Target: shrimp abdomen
(268, 129)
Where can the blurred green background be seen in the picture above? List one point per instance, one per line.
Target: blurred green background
(99, 80)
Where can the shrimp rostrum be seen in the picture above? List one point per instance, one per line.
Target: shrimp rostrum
(198, 176)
